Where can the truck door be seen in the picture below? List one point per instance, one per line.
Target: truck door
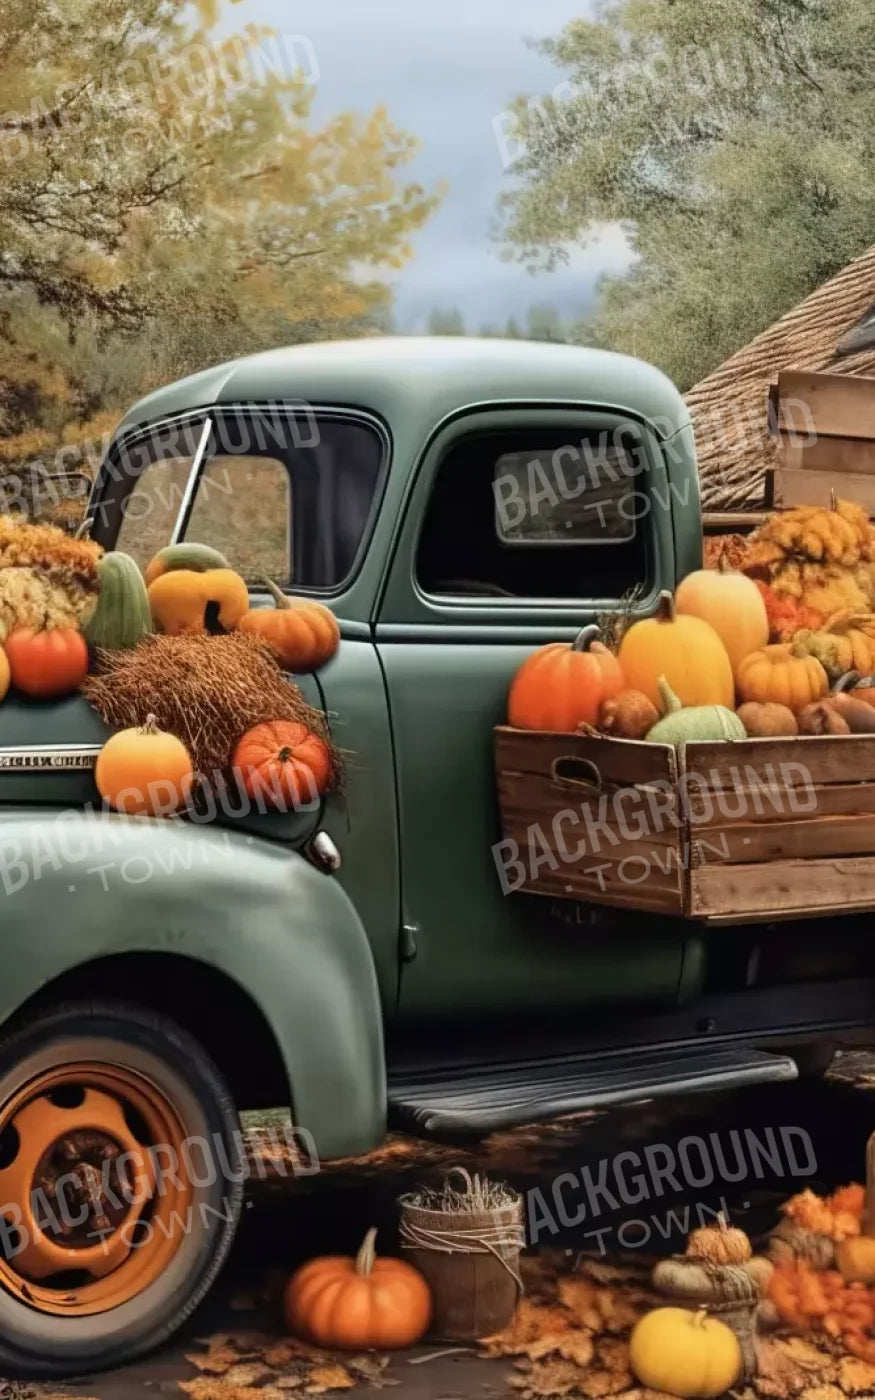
(520, 527)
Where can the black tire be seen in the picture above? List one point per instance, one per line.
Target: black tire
(42, 1344)
(813, 1060)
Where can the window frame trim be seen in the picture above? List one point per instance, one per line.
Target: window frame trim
(208, 413)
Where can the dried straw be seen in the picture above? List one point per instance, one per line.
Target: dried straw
(478, 1194)
(206, 690)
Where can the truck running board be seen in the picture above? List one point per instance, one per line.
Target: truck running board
(481, 1099)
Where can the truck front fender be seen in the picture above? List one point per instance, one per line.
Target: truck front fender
(79, 886)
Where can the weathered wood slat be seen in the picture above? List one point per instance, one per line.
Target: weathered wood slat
(849, 456)
(799, 762)
(783, 840)
(782, 887)
(839, 404)
(723, 807)
(619, 760)
(813, 488)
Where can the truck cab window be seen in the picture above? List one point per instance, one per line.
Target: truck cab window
(536, 515)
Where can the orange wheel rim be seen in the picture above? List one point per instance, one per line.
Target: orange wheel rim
(94, 1196)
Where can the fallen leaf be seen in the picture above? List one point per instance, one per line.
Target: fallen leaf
(288, 1349)
(371, 1369)
(532, 1322)
(823, 1392)
(215, 1362)
(856, 1376)
(549, 1378)
(212, 1388)
(247, 1373)
(576, 1346)
(325, 1378)
(597, 1382)
(613, 1355)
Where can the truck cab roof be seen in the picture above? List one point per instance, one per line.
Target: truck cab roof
(423, 379)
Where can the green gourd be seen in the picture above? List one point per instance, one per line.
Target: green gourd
(197, 558)
(684, 724)
(122, 617)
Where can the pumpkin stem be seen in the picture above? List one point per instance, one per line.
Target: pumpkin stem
(275, 592)
(723, 564)
(670, 702)
(833, 503)
(83, 527)
(284, 754)
(700, 1316)
(151, 725)
(366, 1257)
(665, 608)
(585, 636)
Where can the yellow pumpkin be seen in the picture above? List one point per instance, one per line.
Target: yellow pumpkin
(685, 650)
(781, 674)
(855, 1258)
(733, 605)
(685, 1353)
(180, 599)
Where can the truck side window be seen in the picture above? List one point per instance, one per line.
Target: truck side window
(243, 508)
(536, 515)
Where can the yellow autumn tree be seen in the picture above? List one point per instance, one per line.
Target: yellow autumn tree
(167, 200)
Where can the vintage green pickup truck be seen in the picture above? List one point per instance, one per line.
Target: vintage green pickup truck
(456, 503)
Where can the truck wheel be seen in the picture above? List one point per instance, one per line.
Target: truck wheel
(121, 1185)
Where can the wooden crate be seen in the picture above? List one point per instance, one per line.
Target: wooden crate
(573, 806)
(753, 830)
(824, 426)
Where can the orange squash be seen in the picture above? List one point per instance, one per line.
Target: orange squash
(46, 664)
(358, 1304)
(283, 762)
(778, 673)
(180, 599)
(685, 650)
(563, 684)
(733, 605)
(144, 772)
(303, 632)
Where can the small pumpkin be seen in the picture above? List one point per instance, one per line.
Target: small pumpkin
(195, 557)
(855, 1259)
(144, 771)
(283, 762)
(859, 717)
(628, 715)
(721, 1243)
(684, 649)
(822, 717)
(563, 684)
(5, 674)
(303, 632)
(122, 617)
(778, 673)
(46, 664)
(685, 723)
(731, 603)
(765, 719)
(685, 1353)
(358, 1304)
(183, 600)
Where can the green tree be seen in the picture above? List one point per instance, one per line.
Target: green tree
(446, 321)
(167, 200)
(737, 154)
(543, 323)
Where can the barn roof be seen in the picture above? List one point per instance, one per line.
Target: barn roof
(833, 329)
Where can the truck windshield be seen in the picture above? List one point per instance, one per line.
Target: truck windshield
(277, 491)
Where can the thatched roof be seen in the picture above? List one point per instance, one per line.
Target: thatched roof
(728, 407)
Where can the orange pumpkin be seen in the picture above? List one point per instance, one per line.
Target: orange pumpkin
(303, 633)
(144, 772)
(684, 649)
(358, 1304)
(284, 762)
(733, 605)
(778, 673)
(180, 599)
(563, 684)
(46, 664)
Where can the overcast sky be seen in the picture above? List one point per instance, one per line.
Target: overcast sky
(445, 69)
